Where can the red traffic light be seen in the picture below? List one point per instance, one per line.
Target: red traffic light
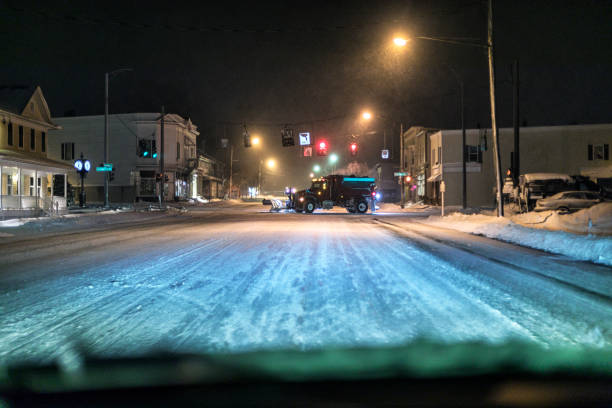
(322, 148)
(353, 148)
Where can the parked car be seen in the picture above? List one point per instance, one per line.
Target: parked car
(568, 200)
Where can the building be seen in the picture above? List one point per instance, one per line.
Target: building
(208, 178)
(134, 151)
(416, 162)
(30, 183)
(573, 150)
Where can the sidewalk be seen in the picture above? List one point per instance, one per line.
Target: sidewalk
(78, 219)
(584, 235)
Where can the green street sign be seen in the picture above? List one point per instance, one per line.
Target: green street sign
(105, 167)
(399, 174)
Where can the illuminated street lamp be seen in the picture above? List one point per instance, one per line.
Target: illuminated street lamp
(400, 42)
(366, 115)
(333, 158)
(311, 175)
(255, 141)
(271, 163)
(316, 168)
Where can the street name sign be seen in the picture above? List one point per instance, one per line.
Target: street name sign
(399, 174)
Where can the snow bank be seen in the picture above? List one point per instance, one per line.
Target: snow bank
(555, 238)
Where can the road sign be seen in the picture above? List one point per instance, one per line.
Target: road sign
(105, 167)
(384, 154)
(307, 151)
(399, 174)
(305, 139)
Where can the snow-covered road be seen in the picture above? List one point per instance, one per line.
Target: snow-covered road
(236, 280)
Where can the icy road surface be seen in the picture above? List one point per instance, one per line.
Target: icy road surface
(239, 279)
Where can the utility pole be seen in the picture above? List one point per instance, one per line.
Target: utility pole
(231, 169)
(515, 83)
(162, 157)
(494, 130)
(107, 77)
(106, 203)
(463, 148)
(402, 190)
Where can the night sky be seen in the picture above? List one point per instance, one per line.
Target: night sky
(313, 65)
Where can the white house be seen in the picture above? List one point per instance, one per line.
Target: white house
(30, 183)
(135, 153)
(572, 149)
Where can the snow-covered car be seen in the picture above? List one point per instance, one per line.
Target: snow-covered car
(568, 200)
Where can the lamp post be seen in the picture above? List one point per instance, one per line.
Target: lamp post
(107, 77)
(489, 47)
(462, 107)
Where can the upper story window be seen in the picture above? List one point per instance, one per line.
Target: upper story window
(21, 136)
(9, 131)
(43, 142)
(473, 154)
(599, 152)
(68, 151)
(32, 139)
(178, 150)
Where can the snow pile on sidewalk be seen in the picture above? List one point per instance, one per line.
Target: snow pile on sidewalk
(553, 233)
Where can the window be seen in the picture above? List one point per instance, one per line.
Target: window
(43, 142)
(32, 139)
(439, 158)
(599, 152)
(67, 151)
(433, 156)
(9, 184)
(21, 136)
(473, 154)
(10, 134)
(32, 186)
(178, 150)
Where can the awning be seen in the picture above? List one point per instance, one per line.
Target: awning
(433, 178)
(26, 160)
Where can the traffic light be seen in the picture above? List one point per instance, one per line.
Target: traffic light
(246, 136)
(322, 148)
(153, 149)
(353, 148)
(287, 136)
(111, 175)
(143, 148)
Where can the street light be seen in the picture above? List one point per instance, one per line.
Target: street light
(333, 158)
(366, 115)
(271, 163)
(489, 47)
(255, 141)
(316, 168)
(400, 42)
(107, 77)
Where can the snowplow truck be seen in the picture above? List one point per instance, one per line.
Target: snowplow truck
(356, 194)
